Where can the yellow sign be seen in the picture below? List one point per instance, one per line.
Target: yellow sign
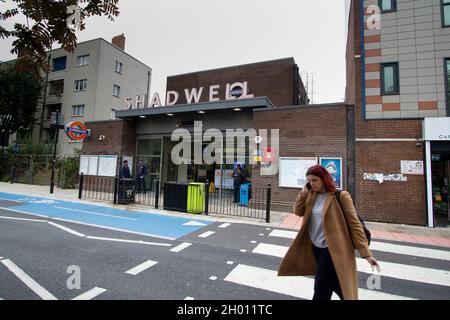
(258, 159)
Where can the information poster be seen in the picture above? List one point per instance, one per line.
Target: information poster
(84, 165)
(107, 166)
(411, 167)
(292, 172)
(334, 167)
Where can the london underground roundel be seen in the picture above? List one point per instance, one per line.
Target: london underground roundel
(76, 130)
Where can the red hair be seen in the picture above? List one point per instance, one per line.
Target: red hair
(319, 171)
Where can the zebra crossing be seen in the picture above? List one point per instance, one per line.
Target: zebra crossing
(408, 272)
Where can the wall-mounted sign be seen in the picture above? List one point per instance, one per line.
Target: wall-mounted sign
(76, 130)
(98, 165)
(436, 129)
(411, 167)
(334, 167)
(292, 172)
(381, 177)
(233, 91)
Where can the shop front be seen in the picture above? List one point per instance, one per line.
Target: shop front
(437, 137)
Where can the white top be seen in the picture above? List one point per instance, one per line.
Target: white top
(315, 225)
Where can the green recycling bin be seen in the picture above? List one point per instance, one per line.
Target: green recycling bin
(196, 197)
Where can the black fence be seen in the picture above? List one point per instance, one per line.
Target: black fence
(195, 198)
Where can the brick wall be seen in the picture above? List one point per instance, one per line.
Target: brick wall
(312, 131)
(273, 79)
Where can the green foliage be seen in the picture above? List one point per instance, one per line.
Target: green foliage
(20, 92)
(70, 167)
(48, 22)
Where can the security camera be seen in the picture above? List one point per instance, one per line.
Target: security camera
(101, 137)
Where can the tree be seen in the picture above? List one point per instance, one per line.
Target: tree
(50, 21)
(20, 93)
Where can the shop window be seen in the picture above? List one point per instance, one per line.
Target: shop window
(445, 10)
(59, 64)
(389, 78)
(388, 5)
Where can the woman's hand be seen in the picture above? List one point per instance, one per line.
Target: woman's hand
(374, 263)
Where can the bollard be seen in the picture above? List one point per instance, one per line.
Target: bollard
(156, 193)
(269, 191)
(116, 187)
(206, 197)
(80, 187)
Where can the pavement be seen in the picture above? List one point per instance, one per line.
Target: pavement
(386, 231)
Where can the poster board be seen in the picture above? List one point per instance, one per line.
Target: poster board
(334, 167)
(411, 167)
(84, 165)
(93, 165)
(107, 166)
(292, 172)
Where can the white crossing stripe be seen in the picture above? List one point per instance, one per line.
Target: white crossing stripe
(188, 298)
(224, 225)
(300, 287)
(67, 229)
(143, 266)
(181, 247)
(131, 241)
(193, 223)
(386, 247)
(206, 234)
(91, 294)
(213, 278)
(388, 269)
(94, 213)
(21, 219)
(28, 281)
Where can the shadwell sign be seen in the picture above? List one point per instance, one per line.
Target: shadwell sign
(233, 91)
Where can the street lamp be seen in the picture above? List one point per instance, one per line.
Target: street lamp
(56, 125)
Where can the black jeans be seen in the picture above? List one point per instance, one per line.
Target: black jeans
(237, 191)
(139, 183)
(326, 280)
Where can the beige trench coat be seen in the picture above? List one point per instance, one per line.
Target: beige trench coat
(299, 259)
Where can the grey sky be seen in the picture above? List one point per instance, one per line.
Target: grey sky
(180, 36)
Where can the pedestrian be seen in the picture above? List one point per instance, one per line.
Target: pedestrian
(239, 177)
(125, 170)
(325, 245)
(141, 173)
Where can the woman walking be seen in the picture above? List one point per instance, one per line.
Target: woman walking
(325, 244)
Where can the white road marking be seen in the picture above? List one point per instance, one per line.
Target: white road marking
(206, 234)
(283, 234)
(91, 294)
(253, 241)
(243, 250)
(143, 266)
(224, 225)
(67, 229)
(11, 200)
(230, 262)
(94, 213)
(188, 298)
(267, 228)
(193, 223)
(22, 219)
(131, 241)
(300, 287)
(213, 278)
(388, 269)
(28, 281)
(261, 234)
(181, 247)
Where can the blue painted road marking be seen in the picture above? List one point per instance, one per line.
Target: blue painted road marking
(157, 225)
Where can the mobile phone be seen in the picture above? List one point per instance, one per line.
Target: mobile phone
(308, 185)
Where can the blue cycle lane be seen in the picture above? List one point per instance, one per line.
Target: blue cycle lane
(150, 224)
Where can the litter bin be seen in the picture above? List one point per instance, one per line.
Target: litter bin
(126, 192)
(175, 196)
(245, 194)
(196, 197)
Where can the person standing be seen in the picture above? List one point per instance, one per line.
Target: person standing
(239, 177)
(141, 173)
(125, 170)
(325, 245)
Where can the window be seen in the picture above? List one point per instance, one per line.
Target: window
(59, 64)
(116, 91)
(389, 78)
(53, 108)
(83, 60)
(447, 83)
(119, 66)
(445, 9)
(80, 85)
(388, 5)
(56, 87)
(78, 110)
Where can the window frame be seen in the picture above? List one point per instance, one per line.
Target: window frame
(447, 84)
(116, 94)
(76, 107)
(81, 81)
(59, 58)
(118, 70)
(396, 79)
(83, 56)
(393, 9)
(443, 5)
